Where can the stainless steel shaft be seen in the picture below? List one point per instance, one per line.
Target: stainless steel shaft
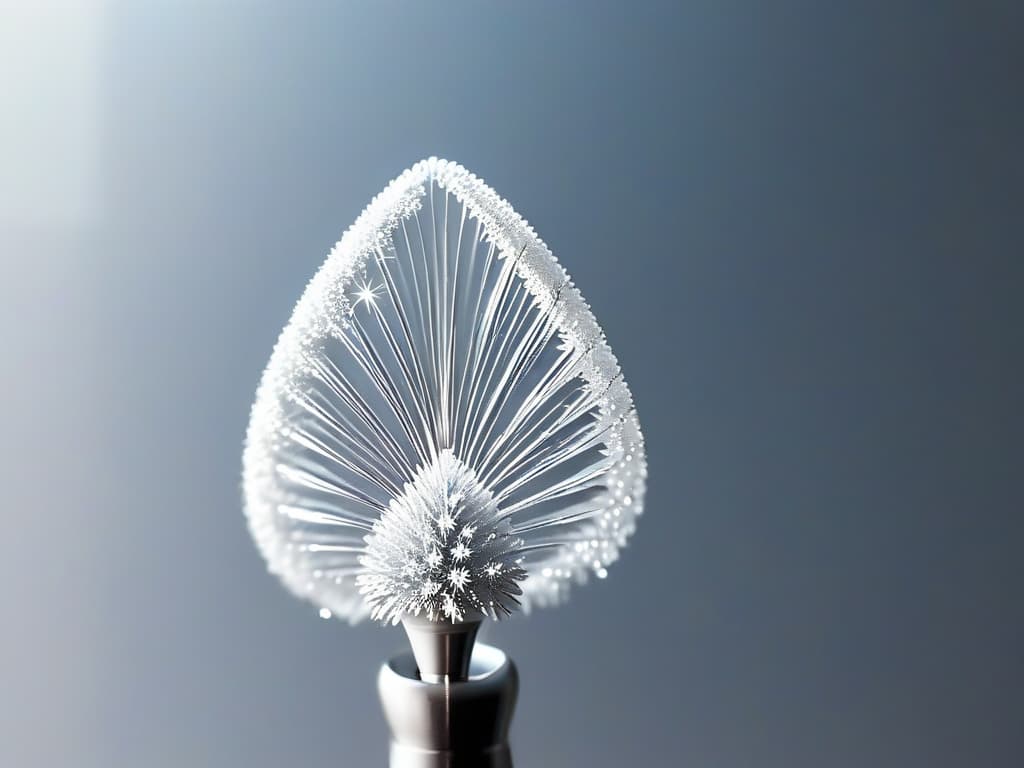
(450, 724)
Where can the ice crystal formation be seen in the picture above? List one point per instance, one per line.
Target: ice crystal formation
(442, 548)
(442, 429)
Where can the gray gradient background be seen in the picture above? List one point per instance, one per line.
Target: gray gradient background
(800, 227)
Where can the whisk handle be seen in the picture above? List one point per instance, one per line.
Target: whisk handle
(462, 724)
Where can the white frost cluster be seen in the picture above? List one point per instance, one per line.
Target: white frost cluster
(441, 549)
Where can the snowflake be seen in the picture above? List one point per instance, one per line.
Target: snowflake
(460, 552)
(459, 578)
(446, 522)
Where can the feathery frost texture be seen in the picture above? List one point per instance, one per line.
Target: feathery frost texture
(442, 429)
(442, 548)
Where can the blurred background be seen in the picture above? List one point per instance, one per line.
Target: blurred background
(800, 226)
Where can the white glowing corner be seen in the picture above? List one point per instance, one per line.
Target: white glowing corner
(441, 424)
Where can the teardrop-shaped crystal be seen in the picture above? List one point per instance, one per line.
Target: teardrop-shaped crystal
(442, 429)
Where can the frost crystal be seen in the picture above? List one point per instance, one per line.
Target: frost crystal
(416, 562)
(442, 428)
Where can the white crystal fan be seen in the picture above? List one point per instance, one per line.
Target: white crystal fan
(442, 431)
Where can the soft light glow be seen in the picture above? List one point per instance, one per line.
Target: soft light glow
(367, 294)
